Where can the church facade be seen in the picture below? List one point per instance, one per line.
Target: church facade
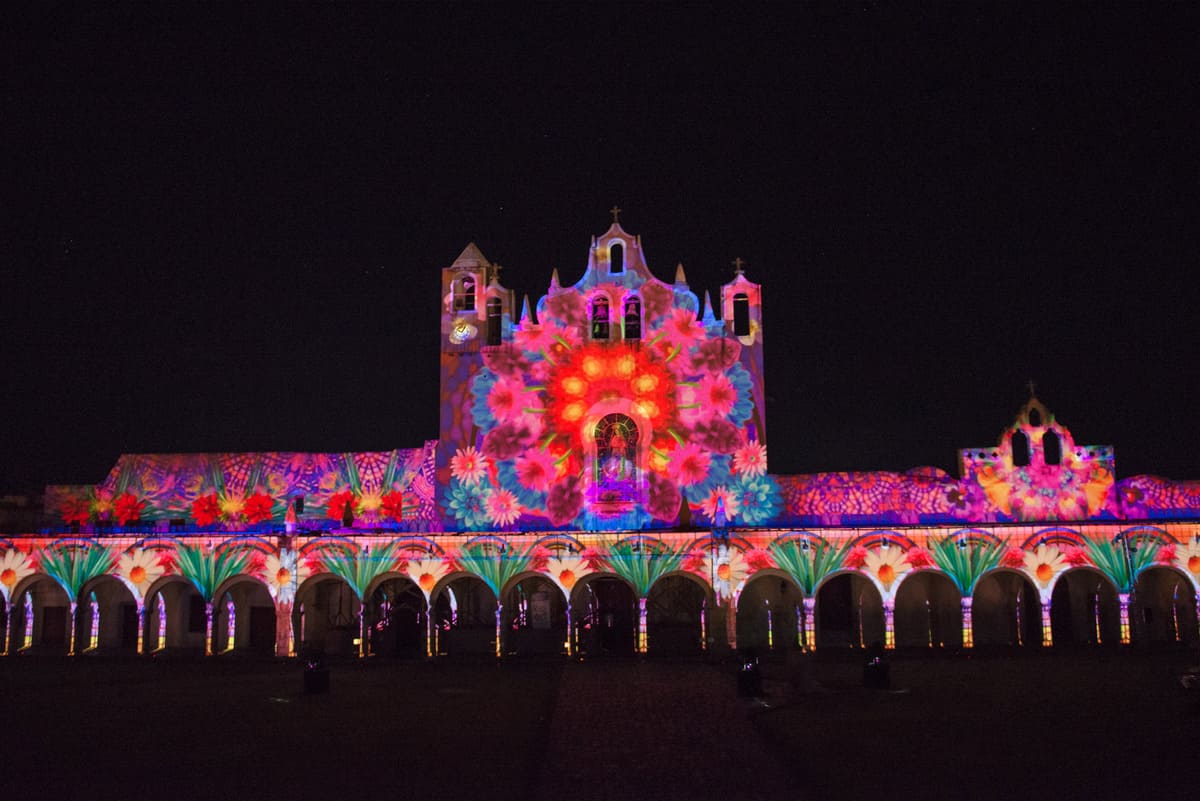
(600, 484)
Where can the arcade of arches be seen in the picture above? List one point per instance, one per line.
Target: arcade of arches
(671, 594)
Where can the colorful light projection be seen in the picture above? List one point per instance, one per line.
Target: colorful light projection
(810, 560)
(390, 490)
(622, 406)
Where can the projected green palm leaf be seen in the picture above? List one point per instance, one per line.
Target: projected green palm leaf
(642, 563)
(1121, 568)
(359, 568)
(209, 569)
(73, 566)
(494, 565)
(965, 560)
(808, 561)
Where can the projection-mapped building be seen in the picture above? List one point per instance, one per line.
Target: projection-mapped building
(600, 484)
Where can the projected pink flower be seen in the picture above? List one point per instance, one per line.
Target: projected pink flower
(502, 507)
(565, 501)
(682, 329)
(536, 469)
(689, 464)
(750, 459)
(468, 465)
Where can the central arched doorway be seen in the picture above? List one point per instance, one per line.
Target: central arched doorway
(1084, 609)
(604, 616)
(1006, 610)
(928, 611)
(849, 612)
(397, 618)
(464, 616)
(768, 609)
(535, 616)
(676, 621)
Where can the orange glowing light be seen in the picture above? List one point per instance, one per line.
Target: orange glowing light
(646, 382)
(574, 385)
(592, 367)
(573, 412)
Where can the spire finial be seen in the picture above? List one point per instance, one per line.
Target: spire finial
(496, 268)
(615, 211)
(737, 265)
(1032, 389)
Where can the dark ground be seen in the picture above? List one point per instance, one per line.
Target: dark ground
(1042, 725)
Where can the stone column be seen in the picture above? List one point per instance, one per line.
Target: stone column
(208, 628)
(1123, 598)
(71, 626)
(968, 630)
(642, 637)
(143, 624)
(284, 640)
(809, 632)
(1047, 628)
(889, 623)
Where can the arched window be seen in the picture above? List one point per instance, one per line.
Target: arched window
(1020, 449)
(493, 321)
(600, 318)
(616, 258)
(1051, 448)
(741, 315)
(633, 318)
(1035, 417)
(464, 293)
(615, 469)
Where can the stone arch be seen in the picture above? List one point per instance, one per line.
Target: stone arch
(1163, 608)
(1084, 609)
(254, 616)
(604, 615)
(928, 611)
(51, 613)
(464, 615)
(849, 611)
(534, 615)
(397, 616)
(768, 611)
(1006, 610)
(325, 616)
(679, 614)
(184, 611)
(119, 627)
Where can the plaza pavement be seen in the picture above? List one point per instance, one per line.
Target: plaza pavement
(646, 729)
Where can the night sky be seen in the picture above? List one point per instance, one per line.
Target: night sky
(226, 233)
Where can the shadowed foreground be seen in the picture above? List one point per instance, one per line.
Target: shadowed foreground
(1098, 725)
